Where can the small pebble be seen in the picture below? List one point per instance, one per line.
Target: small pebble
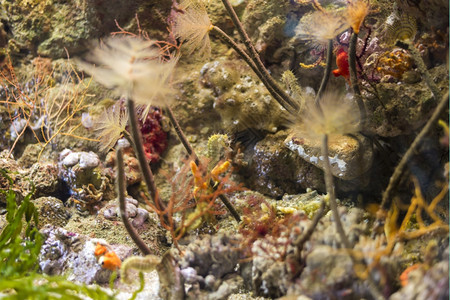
(71, 159)
(88, 160)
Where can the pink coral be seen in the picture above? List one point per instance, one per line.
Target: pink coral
(154, 137)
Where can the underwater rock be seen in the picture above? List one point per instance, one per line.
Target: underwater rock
(42, 177)
(71, 159)
(422, 284)
(265, 23)
(137, 215)
(431, 13)
(406, 106)
(88, 160)
(274, 170)
(133, 173)
(71, 254)
(353, 221)
(241, 100)
(85, 160)
(30, 155)
(333, 267)
(232, 285)
(51, 211)
(87, 180)
(269, 277)
(10, 165)
(211, 259)
(49, 27)
(349, 157)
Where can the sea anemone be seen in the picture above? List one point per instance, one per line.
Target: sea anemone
(133, 68)
(321, 26)
(337, 115)
(111, 125)
(192, 27)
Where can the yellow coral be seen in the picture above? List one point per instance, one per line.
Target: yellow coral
(394, 63)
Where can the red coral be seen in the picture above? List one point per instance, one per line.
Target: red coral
(154, 138)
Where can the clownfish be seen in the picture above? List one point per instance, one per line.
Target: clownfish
(100, 249)
(110, 261)
(107, 259)
(405, 274)
(342, 64)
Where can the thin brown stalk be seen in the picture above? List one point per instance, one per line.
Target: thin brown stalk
(255, 56)
(326, 74)
(397, 175)
(301, 240)
(229, 41)
(192, 154)
(354, 77)
(332, 195)
(181, 135)
(374, 290)
(139, 150)
(121, 194)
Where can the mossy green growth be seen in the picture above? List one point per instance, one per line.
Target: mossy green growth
(20, 245)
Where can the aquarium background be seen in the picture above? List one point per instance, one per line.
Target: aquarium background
(234, 149)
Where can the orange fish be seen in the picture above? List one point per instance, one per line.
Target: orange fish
(405, 274)
(110, 261)
(100, 249)
(342, 64)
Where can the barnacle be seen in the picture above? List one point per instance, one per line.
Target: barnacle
(193, 27)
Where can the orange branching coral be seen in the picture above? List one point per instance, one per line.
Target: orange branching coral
(193, 198)
(394, 234)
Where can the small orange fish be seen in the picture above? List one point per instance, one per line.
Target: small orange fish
(342, 64)
(110, 261)
(405, 273)
(100, 249)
